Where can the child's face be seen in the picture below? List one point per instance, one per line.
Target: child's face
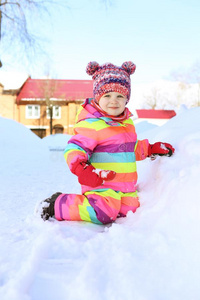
(113, 103)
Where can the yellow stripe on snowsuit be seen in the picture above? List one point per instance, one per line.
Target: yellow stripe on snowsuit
(117, 167)
(84, 214)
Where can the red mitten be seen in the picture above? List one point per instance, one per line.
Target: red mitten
(160, 149)
(90, 176)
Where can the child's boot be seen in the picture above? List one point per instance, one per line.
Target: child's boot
(48, 206)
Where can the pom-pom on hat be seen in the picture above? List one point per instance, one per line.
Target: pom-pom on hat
(110, 78)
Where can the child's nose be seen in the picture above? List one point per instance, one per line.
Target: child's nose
(114, 99)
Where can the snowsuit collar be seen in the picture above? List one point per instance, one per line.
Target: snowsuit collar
(88, 111)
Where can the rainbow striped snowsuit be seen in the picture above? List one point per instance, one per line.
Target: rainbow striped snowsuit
(107, 145)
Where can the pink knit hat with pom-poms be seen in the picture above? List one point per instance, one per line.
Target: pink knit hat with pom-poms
(110, 78)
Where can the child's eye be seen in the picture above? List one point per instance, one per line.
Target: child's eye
(107, 95)
(120, 96)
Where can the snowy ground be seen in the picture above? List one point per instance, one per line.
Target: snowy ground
(153, 254)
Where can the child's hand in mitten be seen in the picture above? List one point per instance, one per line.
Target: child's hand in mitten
(160, 149)
(90, 176)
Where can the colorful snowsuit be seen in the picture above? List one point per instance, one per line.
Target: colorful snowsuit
(107, 145)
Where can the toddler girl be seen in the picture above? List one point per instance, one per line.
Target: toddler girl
(103, 152)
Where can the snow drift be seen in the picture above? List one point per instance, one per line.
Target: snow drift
(152, 254)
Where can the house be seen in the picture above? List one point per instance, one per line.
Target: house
(155, 116)
(39, 99)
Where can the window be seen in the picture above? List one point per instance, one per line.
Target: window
(56, 112)
(32, 111)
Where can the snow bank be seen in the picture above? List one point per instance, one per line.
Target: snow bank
(143, 126)
(152, 254)
(56, 142)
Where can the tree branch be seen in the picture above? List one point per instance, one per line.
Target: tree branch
(11, 3)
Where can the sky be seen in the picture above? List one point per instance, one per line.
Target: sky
(158, 36)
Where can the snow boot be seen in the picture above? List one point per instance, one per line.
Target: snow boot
(48, 206)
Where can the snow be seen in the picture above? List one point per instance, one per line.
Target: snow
(152, 254)
(143, 125)
(12, 80)
(56, 142)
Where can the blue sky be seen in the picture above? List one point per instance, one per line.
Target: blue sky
(158, 36)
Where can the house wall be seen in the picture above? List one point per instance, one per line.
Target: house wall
(72, 111)
(67, 119)
(7, 106)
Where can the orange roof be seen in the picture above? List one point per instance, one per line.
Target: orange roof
(55, 88)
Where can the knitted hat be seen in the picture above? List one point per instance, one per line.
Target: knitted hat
(110, 78)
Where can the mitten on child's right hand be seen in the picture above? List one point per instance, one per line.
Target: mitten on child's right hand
(88, 175)
(160, 149)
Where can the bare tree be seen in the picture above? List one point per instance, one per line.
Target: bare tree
(50, 98)
(107, 3)
(15, 20)
(152, 97)
(188, 76)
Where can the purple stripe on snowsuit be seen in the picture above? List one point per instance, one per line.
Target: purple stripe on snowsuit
(97, 114)
(88, 151)
(115, 148)
(61, 202)
(101, 216)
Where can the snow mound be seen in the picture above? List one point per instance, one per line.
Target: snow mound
(56, 142)
(20, 147)
(152, 254)
(143, 126)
